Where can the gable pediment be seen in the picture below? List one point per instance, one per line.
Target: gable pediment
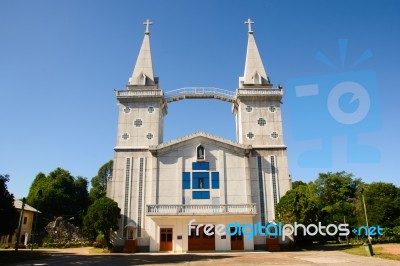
(197, 139)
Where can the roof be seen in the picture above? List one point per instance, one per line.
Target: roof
(167, 146)
(254, 72)
(143, 71)
(18, 205)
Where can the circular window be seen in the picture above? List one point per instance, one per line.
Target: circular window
(272, 108)
(150, 109)
(249, 108)
(274, 135)
(138, 122)
(250, 135)
(125, 136)
(261, 121)
(149, 135)
(127, 110)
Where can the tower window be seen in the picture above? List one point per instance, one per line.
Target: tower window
(150, 109)
(261, 121)
(274, 135)
(125, 136)
(249, 108)
(149, 135)
(127, 110)
(250, 135)
(138, 122)
(272, 108)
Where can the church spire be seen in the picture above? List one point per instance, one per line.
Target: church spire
(143, 71)
(254, 72)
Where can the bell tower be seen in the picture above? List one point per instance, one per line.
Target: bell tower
(257, 105)
(141, 106)
(257, 108)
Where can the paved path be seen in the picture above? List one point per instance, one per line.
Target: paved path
(82, 257)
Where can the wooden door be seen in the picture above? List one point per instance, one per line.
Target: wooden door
(236, 239)
(166, 239)
(201, 241)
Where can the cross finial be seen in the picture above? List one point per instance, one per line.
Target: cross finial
(147, 23)
(249, 22)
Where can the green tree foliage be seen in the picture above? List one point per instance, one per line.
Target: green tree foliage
(337, 193)
(99, 182)
(101, 218)
(58, 194)
(382, 201)
(298, 205)
(8, 213)
(335, 196)
(298, 183)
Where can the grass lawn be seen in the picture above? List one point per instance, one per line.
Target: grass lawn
(385, 251)
(8, 256)
(98, 250)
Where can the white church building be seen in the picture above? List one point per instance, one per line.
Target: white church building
(162, 186)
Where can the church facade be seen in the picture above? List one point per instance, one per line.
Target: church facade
(168, 190)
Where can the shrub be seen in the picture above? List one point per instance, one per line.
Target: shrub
(35, 246)
(102, 240)
(97, 244)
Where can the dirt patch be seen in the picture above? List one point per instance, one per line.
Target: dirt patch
(390, 248)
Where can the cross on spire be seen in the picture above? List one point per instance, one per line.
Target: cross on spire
(147, 23)
(249, 22)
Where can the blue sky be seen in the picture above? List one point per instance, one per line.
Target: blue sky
(61, 60)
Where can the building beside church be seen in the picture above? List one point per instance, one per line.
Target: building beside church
(162, 186)
(26, 226)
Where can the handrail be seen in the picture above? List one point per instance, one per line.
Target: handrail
(199, 93)
(201, 209)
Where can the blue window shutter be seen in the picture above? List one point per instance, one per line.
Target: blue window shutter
(185, 180)
(215, 180)
(201, 166)
(201, 194)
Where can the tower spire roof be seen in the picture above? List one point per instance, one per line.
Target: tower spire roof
(143, 72)
(254, 72)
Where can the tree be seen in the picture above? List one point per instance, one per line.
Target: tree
(61, 195)
(382, 201)
(102, 216)
(298, 205)
(298, 183)
(99, 182)
(337, 193)
(8, 213)
(302, 206)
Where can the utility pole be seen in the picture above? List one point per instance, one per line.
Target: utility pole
(366, 217)
(347, 236)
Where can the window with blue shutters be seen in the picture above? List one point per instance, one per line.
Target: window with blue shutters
(200, 180)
